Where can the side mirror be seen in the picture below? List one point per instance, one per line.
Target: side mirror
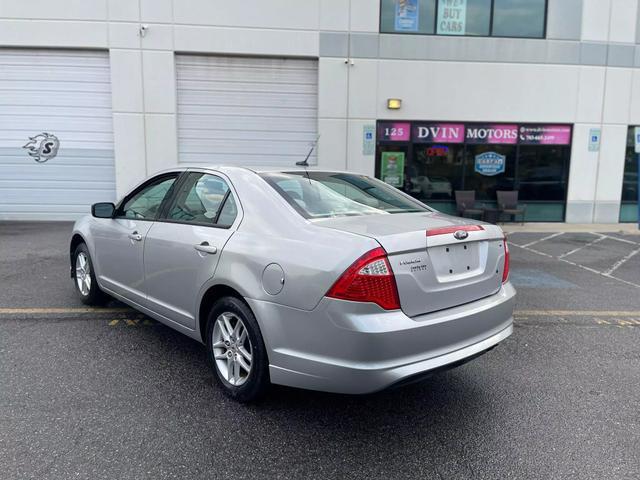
(103, 210)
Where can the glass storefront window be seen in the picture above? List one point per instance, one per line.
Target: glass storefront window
(519, 18)
(486, 184)
(430, 161)
(542, 173)
(434, 173)
(629, 209)
(456, 18)
(500, 18)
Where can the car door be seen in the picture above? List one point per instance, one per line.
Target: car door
(183, 247)
(119, 241)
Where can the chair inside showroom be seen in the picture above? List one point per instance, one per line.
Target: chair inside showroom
(508, 205)
(466, 204)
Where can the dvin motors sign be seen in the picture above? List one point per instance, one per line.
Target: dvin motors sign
(474, 133)
(438, 133)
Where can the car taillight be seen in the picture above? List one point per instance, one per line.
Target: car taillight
(369, 279)
(505, 271)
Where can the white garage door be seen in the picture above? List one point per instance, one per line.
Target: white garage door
(47, 95)
(246, 111)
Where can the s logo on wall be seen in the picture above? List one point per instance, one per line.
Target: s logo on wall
(42, 147)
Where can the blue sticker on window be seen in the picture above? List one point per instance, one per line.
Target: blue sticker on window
(490, 164)
(406, 16)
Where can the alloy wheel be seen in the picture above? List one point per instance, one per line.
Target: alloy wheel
(232, 349)
(83, 273)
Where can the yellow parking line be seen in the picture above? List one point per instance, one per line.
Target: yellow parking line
(576, 313)
(519, 313)
(131, 322)
(35, 311)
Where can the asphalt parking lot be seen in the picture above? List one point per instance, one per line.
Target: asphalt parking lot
(112, 394)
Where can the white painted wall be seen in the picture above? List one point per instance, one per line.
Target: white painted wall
(595, 20)
(350, 96)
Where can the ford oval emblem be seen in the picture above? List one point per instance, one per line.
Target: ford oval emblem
(461, 234)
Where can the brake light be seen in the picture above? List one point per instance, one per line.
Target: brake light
(505, 271)
(368, 279)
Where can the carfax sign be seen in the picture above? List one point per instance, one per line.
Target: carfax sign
(490, 164)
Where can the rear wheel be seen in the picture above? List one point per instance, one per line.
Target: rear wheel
(236, 350)
(85, 278)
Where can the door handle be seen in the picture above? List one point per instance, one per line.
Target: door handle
(135, 236)
(204, 247)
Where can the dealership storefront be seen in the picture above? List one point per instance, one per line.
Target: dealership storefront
(433, 96)
(431, 161)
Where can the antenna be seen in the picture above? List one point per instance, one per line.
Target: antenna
(304, 163)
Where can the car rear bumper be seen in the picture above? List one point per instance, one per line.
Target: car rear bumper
(349, 347)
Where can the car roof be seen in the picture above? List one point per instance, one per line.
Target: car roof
(256, 169)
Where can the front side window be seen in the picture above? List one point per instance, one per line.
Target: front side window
(498, 18)
(323, 195)
(200, 200)
(145, 204)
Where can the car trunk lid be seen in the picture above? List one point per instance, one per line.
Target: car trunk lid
(434, 267)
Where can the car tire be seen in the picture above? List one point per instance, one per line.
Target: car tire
(233, 346)
(84, 278)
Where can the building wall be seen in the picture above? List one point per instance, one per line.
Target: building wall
(584, 73)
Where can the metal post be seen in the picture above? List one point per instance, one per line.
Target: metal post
(638, 192)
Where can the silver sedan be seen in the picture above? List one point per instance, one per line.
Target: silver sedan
(322, 280)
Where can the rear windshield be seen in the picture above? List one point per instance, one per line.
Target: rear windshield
(325, 194)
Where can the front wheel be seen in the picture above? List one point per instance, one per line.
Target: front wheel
(85, 278)
(237, 351)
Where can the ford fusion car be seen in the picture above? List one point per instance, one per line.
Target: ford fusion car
(328, 281)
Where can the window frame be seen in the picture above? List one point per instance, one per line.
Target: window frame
(164, 211)
(176, 175)
(490, 35)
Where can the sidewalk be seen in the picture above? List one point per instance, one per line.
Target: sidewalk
(625, 228)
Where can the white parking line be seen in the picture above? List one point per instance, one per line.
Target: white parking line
(588, 269)
(624, 240)
(599, 239)
(621, 262)
(548, 237)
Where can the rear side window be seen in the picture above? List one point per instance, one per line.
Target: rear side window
(228, 213)
(203, 199)
(145, 204)
(327, 194)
